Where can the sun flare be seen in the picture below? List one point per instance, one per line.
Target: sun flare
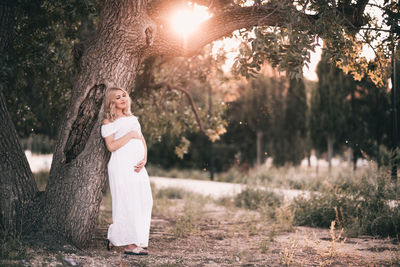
(185, 21)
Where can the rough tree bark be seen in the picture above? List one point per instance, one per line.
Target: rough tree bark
(78, 171)
(18, 190)
(126, 36)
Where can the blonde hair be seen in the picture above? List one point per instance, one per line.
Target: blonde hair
(110, 105)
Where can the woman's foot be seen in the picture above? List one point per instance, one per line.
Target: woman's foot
(135, 250)
(109, 245)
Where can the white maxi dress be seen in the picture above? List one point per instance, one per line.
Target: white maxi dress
(132, 201)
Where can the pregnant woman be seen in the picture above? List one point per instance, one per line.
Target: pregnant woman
(129, 182)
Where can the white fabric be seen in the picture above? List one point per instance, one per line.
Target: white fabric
(107, 129)
(132, 201)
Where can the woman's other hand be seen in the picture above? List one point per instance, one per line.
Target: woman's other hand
(140, 165)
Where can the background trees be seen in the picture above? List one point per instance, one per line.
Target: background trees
(41, 63)
(329, 107)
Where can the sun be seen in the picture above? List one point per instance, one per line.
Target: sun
(185, 21)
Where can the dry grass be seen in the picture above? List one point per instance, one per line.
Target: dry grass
(197, 232)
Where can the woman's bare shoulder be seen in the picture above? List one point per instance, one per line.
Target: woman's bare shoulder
(106, 121)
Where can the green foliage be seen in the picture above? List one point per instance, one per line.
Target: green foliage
(287, 48)
(345, 26)
(350, 113)
(161, 97)
(267, 105)
(250, 113)
(39, 66)
(365, 206)
(369, 122)
(254, 199)
(329, 108)
(289, 132)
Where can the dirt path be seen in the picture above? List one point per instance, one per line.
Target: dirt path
(197, 232)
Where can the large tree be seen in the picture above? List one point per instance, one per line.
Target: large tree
(130, 31)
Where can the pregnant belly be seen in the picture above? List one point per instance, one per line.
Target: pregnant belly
(132, 152)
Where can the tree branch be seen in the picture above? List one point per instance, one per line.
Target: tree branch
(192, 104)
(169, 43)
(223, 23)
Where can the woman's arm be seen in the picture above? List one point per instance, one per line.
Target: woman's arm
(114, 144)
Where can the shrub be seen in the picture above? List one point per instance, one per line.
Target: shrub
(366, 206)
(171, 193)
(318, 210)
(184, 225)
(254, 199)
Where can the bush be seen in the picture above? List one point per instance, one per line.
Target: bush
(367, 206)
(171, 193)
(318, 210)
(254, 199)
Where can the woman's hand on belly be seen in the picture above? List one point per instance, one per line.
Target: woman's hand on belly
(140, 165)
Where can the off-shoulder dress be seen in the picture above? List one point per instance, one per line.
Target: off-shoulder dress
(132, 201)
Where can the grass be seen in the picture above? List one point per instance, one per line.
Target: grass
(171, 193)
(287, 177)
(361, 202)
(187, 223)
(185, 208)
(254, 199)
(360, 206)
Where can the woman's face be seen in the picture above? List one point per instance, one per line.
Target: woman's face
(120, 99)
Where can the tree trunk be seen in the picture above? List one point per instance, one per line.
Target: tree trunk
(330, 140)
(78, 171)
(349, 157)
(259, 152)
(18, 190)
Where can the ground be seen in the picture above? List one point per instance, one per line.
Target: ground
(192, 230)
